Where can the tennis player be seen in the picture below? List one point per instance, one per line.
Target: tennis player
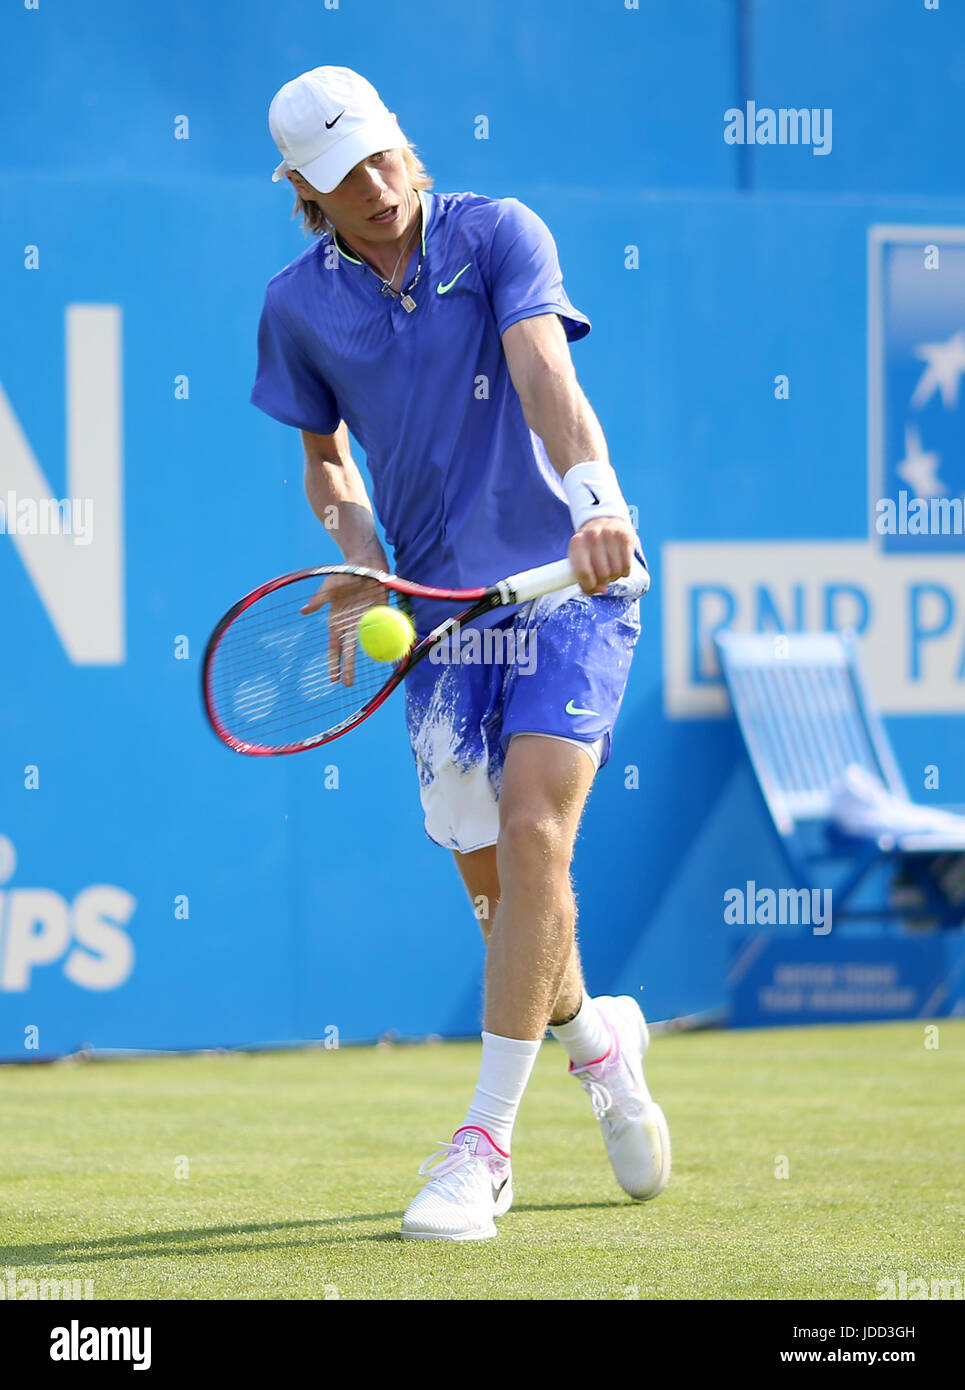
(435, 327)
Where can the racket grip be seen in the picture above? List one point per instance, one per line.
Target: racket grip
(518, 588)
(559, 574)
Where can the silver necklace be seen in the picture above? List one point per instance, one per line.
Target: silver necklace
(404, 296)
(388, 283)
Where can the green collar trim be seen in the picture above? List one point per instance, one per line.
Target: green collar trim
(425, 217)
(342, 252)
(423, 203)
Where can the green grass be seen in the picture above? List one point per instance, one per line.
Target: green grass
(301, 1164)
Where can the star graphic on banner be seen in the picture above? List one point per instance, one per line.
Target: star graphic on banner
(919, 467)
(946, 362)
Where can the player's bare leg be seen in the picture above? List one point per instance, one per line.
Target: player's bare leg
(531, 947)
(605, 1037)
(533, 974)
(480, 874)
(544, 788)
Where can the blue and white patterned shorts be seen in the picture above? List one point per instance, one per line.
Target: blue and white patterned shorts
(558, 666)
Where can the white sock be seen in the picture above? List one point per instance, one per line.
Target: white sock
(586, 1037)
(503, 1074)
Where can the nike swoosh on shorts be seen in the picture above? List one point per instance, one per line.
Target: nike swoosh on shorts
(575, 709)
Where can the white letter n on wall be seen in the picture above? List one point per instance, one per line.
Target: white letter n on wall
(80, 585)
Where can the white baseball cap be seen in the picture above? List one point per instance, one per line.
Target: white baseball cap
(325, 122)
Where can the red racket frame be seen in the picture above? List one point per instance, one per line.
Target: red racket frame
(480, 600)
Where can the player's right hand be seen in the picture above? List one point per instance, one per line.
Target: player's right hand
(347, 597)
(602, 551)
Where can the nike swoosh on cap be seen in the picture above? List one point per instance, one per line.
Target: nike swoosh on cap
(329, 124)
(444, 289)
(575, 709)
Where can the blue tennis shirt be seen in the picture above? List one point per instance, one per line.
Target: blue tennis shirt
(463, 488)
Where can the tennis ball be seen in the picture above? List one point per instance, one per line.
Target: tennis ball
(386, 633)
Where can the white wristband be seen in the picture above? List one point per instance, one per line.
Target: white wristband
(592, 490)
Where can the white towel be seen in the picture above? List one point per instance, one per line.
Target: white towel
(862, 805)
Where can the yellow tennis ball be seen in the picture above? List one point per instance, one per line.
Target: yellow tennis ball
(386, 633)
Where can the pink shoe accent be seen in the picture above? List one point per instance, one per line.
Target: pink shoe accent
(488, 1146)
(612, 1051)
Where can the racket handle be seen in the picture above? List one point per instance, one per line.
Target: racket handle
(518, 588)
(559, 574)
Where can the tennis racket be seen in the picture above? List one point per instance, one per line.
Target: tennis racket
(276, 680)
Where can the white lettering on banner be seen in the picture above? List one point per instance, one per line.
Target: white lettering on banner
(908, 610)
(902, 587)
(80, 585)
(39, 926)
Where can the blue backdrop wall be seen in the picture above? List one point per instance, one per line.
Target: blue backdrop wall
(156, 891)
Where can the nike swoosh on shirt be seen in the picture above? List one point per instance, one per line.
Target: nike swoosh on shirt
(444, 289)
(575, 709)
(329, 124)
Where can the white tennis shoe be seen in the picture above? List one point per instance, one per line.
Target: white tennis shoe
(470, 1185)
(634, 1128)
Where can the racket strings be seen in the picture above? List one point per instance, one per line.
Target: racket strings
(263, 616)
(270, 676)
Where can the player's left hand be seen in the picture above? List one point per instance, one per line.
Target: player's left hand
(601, 551)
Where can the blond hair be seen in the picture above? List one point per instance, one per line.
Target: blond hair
(314, 221)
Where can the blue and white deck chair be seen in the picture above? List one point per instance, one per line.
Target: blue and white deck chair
(805, 712)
